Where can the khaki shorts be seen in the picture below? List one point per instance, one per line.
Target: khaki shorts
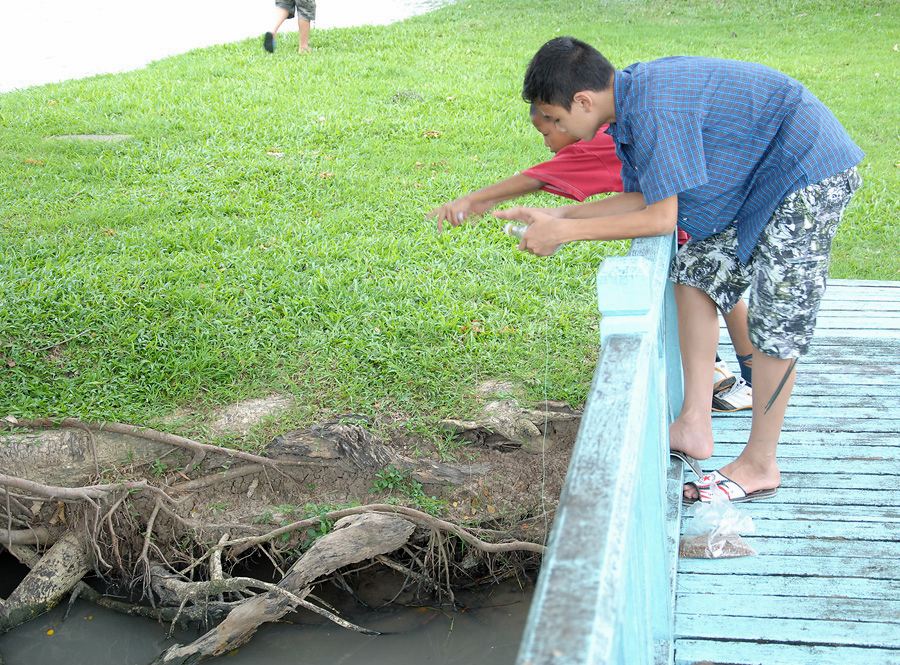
(305, 9)
(786, 272)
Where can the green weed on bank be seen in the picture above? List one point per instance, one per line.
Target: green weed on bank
(264, 228)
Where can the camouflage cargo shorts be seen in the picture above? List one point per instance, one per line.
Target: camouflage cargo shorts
(305, 9)
(786, 272)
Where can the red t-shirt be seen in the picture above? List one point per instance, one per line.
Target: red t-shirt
(583, 169)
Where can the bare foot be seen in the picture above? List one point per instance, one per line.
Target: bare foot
(305, 49)
(692, 435)
(750, 475)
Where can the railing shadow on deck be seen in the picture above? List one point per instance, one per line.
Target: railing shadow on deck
(605, 593)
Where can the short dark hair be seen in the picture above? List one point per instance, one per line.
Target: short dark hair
(562, 67)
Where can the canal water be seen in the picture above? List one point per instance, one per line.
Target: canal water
(485, 629)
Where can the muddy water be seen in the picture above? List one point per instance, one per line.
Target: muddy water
(485, 631)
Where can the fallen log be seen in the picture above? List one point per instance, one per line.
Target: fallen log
(49, 580)
(354, 539)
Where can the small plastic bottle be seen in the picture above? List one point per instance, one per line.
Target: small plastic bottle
(518, 230)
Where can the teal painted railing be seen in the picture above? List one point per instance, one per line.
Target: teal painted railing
(605, 593)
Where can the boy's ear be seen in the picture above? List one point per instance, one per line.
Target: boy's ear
(584, 100)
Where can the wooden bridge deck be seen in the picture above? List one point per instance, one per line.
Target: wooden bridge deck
(825, 588)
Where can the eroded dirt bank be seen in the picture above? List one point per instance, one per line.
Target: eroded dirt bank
(170, 519)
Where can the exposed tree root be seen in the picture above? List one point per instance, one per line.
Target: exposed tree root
(198, 448)
(355, 538)
(148, 534)
(417, 516)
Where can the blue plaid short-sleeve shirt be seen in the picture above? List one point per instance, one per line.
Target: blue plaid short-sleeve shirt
(731, 139)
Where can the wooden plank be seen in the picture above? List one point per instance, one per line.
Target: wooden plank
(837, 547)
(833, 529)
(729, 444)
(796, 631)
(847, 335)
(857, 419)
(692, 651)
(868, 304)
(852, 312)
(800, 420)
(888, 412)
(869, 323)
(833, 482)
(885, 367)
(840, 380)
(856, 350)
(810, 465)
(851, 354)
(870, 299)
(822, 450)
(802, 399)
(847, 292)
(848, 306)
(811, 566)
(854, 374)
(838, 481)
(851, 441)
(864, 283)
(873, 393)
(846, 609)
(832, 376)
(876, 341)
(811, 423)
(770, 509)
(848, 357)
(792, 586)
(846, 496)
(867, 298)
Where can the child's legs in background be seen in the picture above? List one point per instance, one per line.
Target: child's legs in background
(281, 14)
(306, 13)
(304, 34)
(738, 330)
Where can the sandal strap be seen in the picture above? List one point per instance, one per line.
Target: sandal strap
(719, 482)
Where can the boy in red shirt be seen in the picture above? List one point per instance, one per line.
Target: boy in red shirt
(579, 170)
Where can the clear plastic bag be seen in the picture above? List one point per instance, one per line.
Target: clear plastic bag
(715, 531)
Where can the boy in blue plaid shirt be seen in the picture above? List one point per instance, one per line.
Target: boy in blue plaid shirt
(756, 169)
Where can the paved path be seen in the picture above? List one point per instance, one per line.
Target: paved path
(825, 588)
(45, 42)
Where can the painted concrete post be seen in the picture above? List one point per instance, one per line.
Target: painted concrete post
(624, 293)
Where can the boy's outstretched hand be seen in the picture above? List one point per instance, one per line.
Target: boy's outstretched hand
(457, 211)
(542, 236)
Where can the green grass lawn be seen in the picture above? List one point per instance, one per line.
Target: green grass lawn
(264, 229)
